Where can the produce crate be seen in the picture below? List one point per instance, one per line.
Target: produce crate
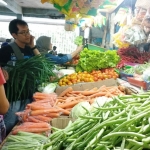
(140, 84)
(95, 47)
(125, 76)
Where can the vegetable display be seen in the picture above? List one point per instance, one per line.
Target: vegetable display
(120, 124)
(25, 141)
(95, 75)
(132, 55)
(69, 97)
(38, 114)
(26, 75)
(95, 60)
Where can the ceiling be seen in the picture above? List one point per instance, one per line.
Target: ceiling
(34, 4)
(29, 8)
(34, 8)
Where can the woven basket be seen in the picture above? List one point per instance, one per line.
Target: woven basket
(143, 4)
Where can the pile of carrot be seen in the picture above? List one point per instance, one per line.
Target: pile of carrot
(39, 113)
(38, 128)
(69, 98)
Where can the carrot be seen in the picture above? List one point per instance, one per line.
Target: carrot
(68, 105)
(38, 107)
(43, 101)
(98, 94)
(65, 112)
(34, 125)
(69, 89)
(94, 89)
(32, 119)
(40, 97)
(53, 115)
(41, 112)
(32, 130)
(86, 93)
(43, 118)
(44, 94)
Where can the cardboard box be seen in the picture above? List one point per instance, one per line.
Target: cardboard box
(87, 85)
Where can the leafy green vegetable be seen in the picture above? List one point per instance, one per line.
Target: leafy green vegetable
(78, 40)
(95, 60)
(78, 110)
(26, 75)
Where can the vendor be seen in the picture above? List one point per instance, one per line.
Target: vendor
(4, 105)
(44, 46)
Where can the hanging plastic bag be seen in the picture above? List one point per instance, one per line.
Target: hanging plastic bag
(129, 17)
(122, 13)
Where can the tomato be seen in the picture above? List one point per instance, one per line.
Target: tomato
(95, 79)
(69, 83)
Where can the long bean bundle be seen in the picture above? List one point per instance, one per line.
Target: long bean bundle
(26, 75)
(122, 124)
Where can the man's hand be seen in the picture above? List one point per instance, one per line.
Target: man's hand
(31, 44)
(5, 73)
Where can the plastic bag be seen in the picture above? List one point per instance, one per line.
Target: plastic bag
(121, 16)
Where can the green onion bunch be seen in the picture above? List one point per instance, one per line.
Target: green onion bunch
(26, 75)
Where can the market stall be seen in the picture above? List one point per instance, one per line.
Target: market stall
(100, 99)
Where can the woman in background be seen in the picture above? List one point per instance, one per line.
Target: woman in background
(44, 46)
(4, 105)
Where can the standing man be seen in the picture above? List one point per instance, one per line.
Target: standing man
(22, 47)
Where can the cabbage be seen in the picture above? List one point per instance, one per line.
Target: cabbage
(50, 88)
(100, 101)
(47, 87)
(79, 110)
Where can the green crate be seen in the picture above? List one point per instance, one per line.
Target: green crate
(95, 47)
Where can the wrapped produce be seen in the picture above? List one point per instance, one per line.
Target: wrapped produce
(118, 38)
(135, 35)
(121, 16)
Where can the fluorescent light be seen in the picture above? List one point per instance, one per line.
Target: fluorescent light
(3, 2)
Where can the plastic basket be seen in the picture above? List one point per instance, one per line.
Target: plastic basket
(140, 84)
(95, 47)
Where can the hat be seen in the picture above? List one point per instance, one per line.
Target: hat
(43, 43)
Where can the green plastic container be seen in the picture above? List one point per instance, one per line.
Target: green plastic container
(95, 47)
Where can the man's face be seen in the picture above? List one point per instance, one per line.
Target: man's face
(23, 34)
